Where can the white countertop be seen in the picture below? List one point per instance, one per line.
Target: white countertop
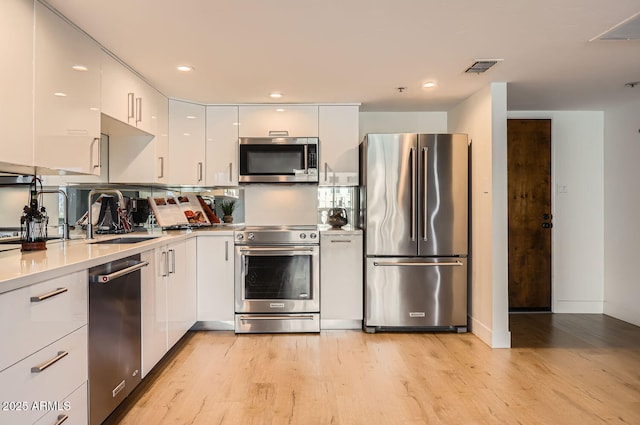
(19, 269)
(347, 229)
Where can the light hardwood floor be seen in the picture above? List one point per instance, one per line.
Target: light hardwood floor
(562, 369)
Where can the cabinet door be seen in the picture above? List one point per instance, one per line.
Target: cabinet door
(186, 143)
(181, 289)
(278, 120)
(215, 281)
(119, 87)
(222, 145)
(338, 145)
(67, 96)
(16, 84)
(136, 156)
(154, 309)
(160, 121)
(341, 280)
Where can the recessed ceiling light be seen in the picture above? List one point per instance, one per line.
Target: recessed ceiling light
(279, 110)
(186, 134)
(190, 117)
(429, 84)
(275, 95)
(236, 123)
(185, 68)
(79, 68)
(93, 108)
(60, 94)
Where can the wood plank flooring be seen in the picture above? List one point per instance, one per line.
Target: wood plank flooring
(562, 369)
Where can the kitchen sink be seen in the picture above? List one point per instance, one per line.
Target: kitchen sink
(126, 240)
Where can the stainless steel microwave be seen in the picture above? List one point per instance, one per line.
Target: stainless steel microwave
(278, 160)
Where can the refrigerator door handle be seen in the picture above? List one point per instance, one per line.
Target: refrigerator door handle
(425, 210)
(408, 263)
(413, 194)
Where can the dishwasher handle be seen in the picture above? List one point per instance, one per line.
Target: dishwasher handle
(106, 278)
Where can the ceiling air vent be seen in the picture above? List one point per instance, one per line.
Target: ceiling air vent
(481, 66)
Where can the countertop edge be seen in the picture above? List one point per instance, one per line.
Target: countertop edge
(21, 269)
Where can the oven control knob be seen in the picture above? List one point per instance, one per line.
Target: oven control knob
(251, 236)
(240, 236)
(313, 236)
(303, 235)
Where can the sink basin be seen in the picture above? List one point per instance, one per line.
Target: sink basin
(126, 240)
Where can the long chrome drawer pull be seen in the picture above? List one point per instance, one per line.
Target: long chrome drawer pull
(404, 263)
(247, 318)
(105, 278)
(276, 249)
(340, 240)
(61, 419)
(43, 366)
(49, 295)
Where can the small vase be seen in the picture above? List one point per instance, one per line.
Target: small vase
(227, 219)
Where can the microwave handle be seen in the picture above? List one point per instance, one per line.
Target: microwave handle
(306, 158)
(281, 133)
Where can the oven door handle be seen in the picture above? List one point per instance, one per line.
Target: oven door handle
(289, 249)
(273, 317)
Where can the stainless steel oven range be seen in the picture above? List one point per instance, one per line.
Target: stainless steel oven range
(277, 279)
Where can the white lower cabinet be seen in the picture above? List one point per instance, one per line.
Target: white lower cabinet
(35, 316)
(215, 282)
(179, 271)
(341, 284)
(73, 410)
(38, 384)
(154, 311)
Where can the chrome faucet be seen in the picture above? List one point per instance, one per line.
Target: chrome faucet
(89, 210)
(65, 225)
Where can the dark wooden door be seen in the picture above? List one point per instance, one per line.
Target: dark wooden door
(529, 192)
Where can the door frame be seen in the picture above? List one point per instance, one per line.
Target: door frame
(553, 188)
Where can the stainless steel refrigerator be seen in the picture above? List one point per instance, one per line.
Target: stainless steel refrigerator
(415, 216)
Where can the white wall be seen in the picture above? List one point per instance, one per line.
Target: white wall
(622, 212)
(577, 204)
(483, 117)
(402, 122)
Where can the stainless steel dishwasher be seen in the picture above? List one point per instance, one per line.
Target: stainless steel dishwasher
(114, 334)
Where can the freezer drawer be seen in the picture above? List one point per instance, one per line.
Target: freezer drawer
(416, 293)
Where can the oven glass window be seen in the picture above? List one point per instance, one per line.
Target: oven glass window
(278, 277)
(271, 160)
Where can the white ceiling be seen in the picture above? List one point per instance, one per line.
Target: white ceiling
(361, 50)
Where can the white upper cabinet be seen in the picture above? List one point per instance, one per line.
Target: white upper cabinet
(222, 146)
(187, 123)
(125, 96)
(66, 95)
(339, 126)
(16, 84)
(278, 120)
(160, 128)
(136, 156)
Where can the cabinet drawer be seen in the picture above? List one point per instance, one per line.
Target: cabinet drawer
(60, 375)
(35, 316)
(75, 408)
